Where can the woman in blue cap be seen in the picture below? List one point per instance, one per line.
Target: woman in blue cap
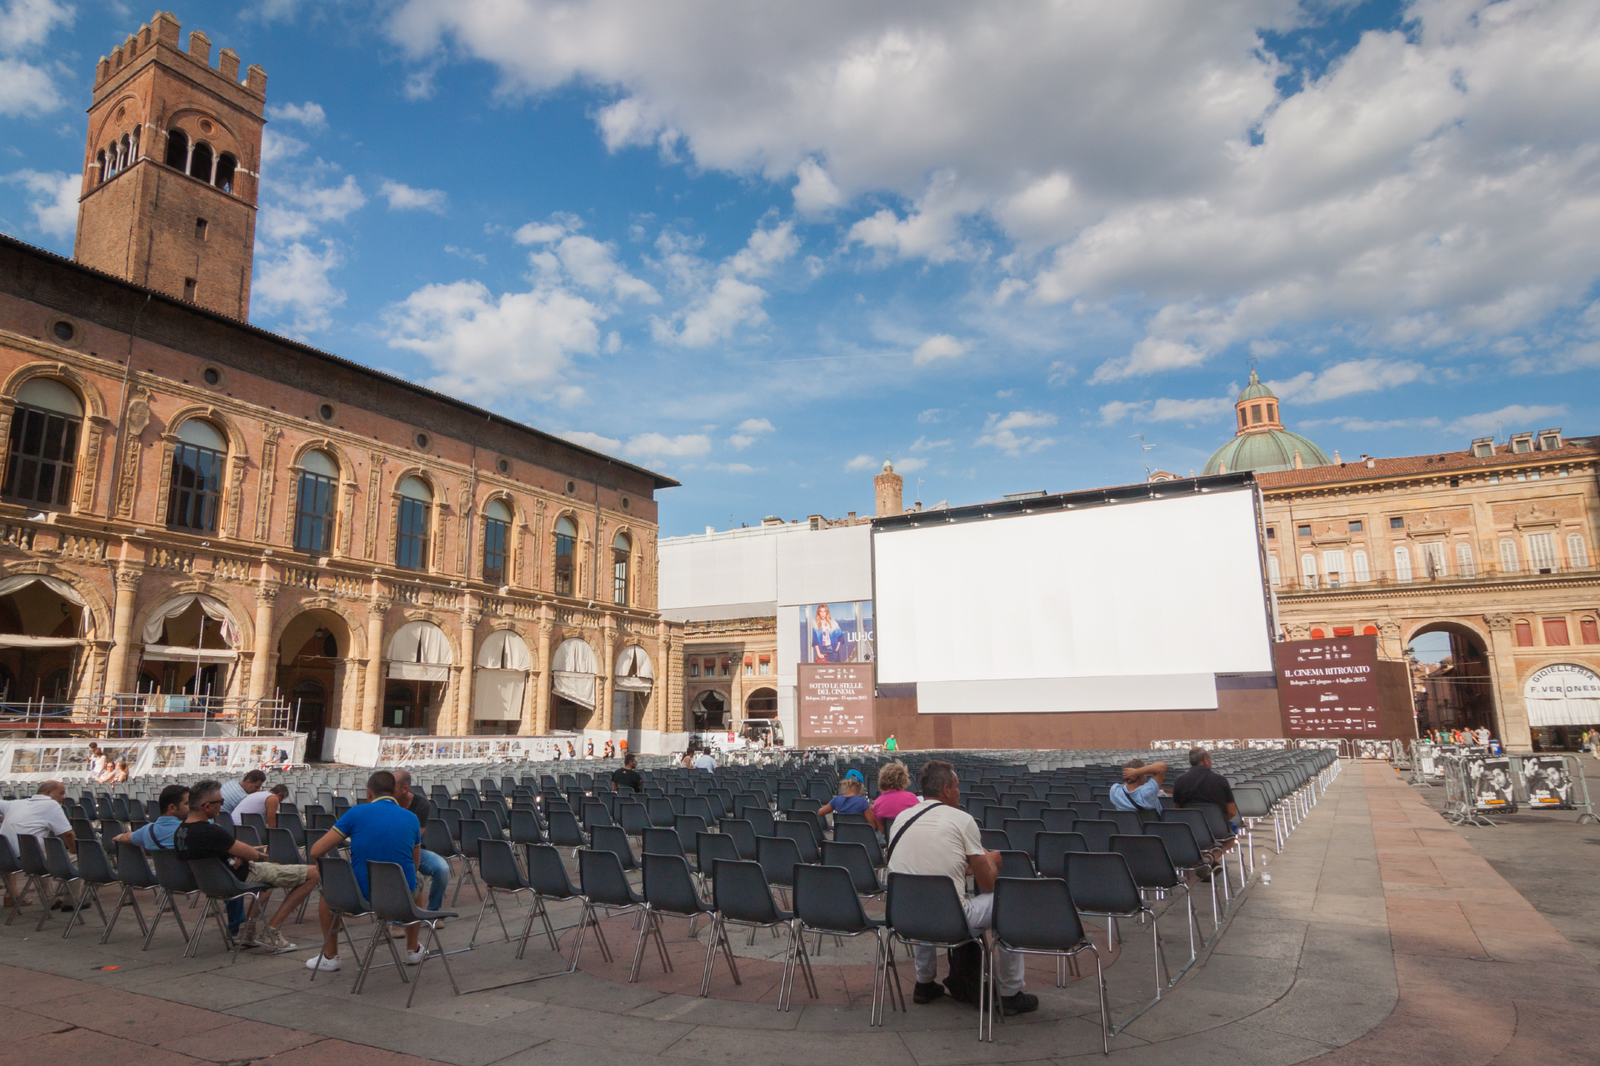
(850, 800)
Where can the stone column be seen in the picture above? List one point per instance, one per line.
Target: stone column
(541, 704)
(470, 617)
(1510, 709)
(122, 629)
(372, 701)
(261, 671)
(604, 680)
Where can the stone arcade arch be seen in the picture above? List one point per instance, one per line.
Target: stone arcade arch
(573, 676)
(45, 630)
(500, 681)
(1461, 695)
(316, 673)
(418, 674)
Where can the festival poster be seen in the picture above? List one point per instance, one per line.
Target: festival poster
(1547, 781)
(836, 701)
(1328, 687)
(1489, 783)
(837, 633)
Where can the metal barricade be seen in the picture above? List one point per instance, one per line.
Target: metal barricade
(1478, 784)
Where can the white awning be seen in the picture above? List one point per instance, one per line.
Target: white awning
(171, 654)
(505, 650)
(54, 584)
(1562, 694)
(19, 640)
(212, 607)
(419, 651)
(635, 673)
(572, 672)
(497, 695)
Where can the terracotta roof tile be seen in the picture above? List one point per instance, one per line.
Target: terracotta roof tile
(1436, 462)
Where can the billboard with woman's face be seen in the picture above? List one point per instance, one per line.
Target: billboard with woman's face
(837, 633)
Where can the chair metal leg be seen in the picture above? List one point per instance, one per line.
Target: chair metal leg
(650, 924)
(380, 933)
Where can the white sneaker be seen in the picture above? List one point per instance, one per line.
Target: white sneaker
(323, 963)
(414, 958)
(273, 940)
(247, 935)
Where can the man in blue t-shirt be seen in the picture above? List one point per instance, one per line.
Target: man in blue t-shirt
(379, 830)
(157, 835)
(1140, 788)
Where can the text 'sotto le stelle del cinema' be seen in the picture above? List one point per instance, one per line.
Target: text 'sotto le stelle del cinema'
(196, 506)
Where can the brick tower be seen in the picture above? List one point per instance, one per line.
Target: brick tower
(171, 168)
(889, 488)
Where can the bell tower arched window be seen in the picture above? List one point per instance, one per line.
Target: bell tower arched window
(200, 161)
(178, 150)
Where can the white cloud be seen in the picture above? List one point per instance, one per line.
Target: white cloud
(26, 88)
(309, 114)
(1190, 412)
(717, 311)
(731, 468)
(1152, 355)
(592, 264)
(658, 445)
(277, 147)
(1115, 411)
(405, 198)
(923, 444)
(764, 251)
(295, 211)
(1344, 379)
(910, 465)
(293, 281)
(1060, 373)
(482, 345)
(53, 199)
(1001, 432)
(932, 415)
(748, 431)
(863, 462)
(814, 192)
(939, 346)
(609, 445)
(1513, 418)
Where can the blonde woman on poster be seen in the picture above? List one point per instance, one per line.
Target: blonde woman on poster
(827, 639)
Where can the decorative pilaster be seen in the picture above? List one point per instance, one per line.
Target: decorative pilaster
(372, 698)
(470, 617)
(261, 672)
(122, 628)
(541, 716)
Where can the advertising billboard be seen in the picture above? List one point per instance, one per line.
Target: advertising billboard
(1328, 687)
(837, 633)
(836, 701)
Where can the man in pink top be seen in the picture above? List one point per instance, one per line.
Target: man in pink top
(894, 794)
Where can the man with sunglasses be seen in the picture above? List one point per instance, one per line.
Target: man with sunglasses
(199, 838)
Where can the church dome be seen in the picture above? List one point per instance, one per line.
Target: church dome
(1260, 442)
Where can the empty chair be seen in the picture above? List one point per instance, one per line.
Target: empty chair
(762, 821)
(811, 819)
(290, 821)
(525, 828)
(778, 857)
(826, 902)
(1037, 917)
(548, 879)
(687, 826)
(612, 838)
(668, 889)
(175, 879)
(1152, 870)
(925, 913)
(709, 847)
(258, 822)
(1082, 809)
(564, 830)
(31, 857)
(281, 848)
(1187, 858)
(1253, 807)
(249, 834)
(92, 873)
(1103, 886)
(743, 835)
(1021, 832)
(9, 867)
(657, 841)
(864, 835)
(393, 904)
(994, 839)
(740, 896)
(1096, 832)
(995, 817)
(1127, 821)
(1057, 819)
(1016, 864)
(633, 817)
(660, 812)
(805, 840)
(854, 858)
(501, 876)
(604, 886)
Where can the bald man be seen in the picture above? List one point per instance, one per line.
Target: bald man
(39, 816)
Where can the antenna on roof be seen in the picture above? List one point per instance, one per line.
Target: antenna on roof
(1143, 447)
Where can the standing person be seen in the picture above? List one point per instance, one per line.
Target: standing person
(1140, 787)
(38, 816)
(628, 775)
(379, 830)
(894, 794)
(198, 838)
(891, 744)
(937, 837)
(1482, 737)
(234, 792)
(97, 761)
(590, 753)
(430, 864)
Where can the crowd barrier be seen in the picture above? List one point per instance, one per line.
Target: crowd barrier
(1258, 744)
(1478, 783)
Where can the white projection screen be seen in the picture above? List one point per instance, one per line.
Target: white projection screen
(1124, 606)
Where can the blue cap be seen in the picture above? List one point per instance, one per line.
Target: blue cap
(856, 774)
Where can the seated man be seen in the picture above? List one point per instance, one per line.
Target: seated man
(264, 802)
(937, 837)
(432, 865)
(196, 837)
(38, 816)
(627, 775)
(234, 792)
(157, 835)
(1140, 787)
(1202, 784)
(379, 831)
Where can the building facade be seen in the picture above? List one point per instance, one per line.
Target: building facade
(193, 506)
(1493, 545)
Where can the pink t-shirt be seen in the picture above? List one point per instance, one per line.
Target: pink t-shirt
(890, 804)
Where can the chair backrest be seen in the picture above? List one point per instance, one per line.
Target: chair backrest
(1127, 821)
(391, 894)
(596, 813)
(564, 829)
(213, 878)
(1021, 832)
(57, 860)
(613, 838)
(248, 834)
(1148, 860)
(660, 812)
(436, 838)
(1181, 845)
(808, 815)
(743, 835)
(1102, 884)
(1016, 864)
(709, 847)
(339, 886)
(778, 857)
(497, 864)
(825, 898)
(603, 880)
(686, 826)
(762, 821)
(995, 817)
(1085, 809)
(281, 848)
(1058, 819)
(452, 822)
(172, 873)
(1097, 832)
(1053, 848)
(1195, 820)
(740, 892)
(133, 868)
(525, 827)
(856, 859)
(864, 835)
(94, 866)
(925, 907)
(668, 885)
(258, 822)
(1036, 914)
(658, 841)
(472, 832)
(546, 873)
(994, 839)
(634, 817)
(805, 840)
(1216, 820)
(1251, 801)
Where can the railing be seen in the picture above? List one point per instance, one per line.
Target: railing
(140, 714)
(166, 559)
(1330, 582)
(89, 549)
(300, 577)
(17, 536)
(229, 569)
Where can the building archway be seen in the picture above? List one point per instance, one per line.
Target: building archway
(500, 686)
(1456, 691)
(634, 679)
(313, 670)
(418, 674)
(710, 711)
(573, 670)
(44, 631)
(191, 646)
(761, 703)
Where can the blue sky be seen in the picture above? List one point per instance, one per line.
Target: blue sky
(760, 247)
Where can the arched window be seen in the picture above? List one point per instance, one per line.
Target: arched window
(125, 156)
(226, 165)
(1508, 556)
(200, 161)
(44, 443)
(178, 149)
(134, 154)
(1577, 551)
(411, 538)
(621, 549)
(1402, 563)
(1308, 570)
(198, 461)
(1359, 564)
(1273, 573)
(566, 541)
(496, 537)
(1318, 633)
(100, 164)
(314, 502)
(1464, 563)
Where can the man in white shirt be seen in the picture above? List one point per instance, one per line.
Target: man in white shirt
(938, 837)
(1482, 737)
(40, 815)
(705, 760)
(234, 792)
